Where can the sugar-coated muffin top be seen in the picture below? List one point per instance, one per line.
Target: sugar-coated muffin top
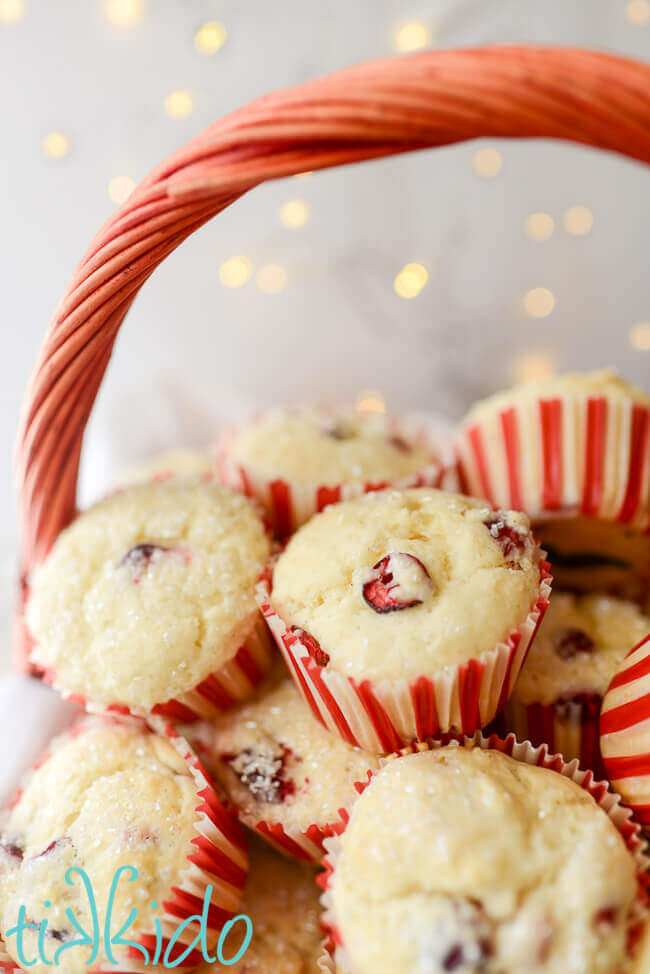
(604, 382)
(317, 446)
(282, 901)
(580, 645)
(148, 592)
(400, 583)
(111, 795)
(469, 861)
(278, 764)
(170, 463)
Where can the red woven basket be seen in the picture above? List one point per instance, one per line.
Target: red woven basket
(376, 109)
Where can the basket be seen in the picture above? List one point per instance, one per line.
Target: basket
(365, 112)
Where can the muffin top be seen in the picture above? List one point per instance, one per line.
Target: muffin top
(279, 765)
(400, 583)
(170, 463)
(110, 795)
(604, 382)
(282, 901)
(148, 592)
(317, 446)
(469, 861)
(580, 644)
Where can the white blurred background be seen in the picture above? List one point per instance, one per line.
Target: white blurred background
(528, 257)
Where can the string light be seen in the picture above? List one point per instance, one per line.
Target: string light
(638, 12)
(55, 145)
(410, 280)
(487, 163)
(179, 104)
(210, 37)
(294, 214)
(532, 367)
(370, 401)
(640, 336)
(578, 220)
(412, 36)
(539, 302)
(272, 278)
(124, 13)
(539, 226)
(11, 11)
(235, 271)
(120, 188)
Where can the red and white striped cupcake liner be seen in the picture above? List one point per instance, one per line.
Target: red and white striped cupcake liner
(568, 727)
(384, 716)
(288, 504)
(625, 731)
(335, 957)
(556, 455)
(217, 856)
(231, 684)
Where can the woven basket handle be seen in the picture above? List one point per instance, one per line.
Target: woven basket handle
(376, 109)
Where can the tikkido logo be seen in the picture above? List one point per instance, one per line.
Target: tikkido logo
(94, 938)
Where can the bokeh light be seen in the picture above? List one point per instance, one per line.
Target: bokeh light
(235, 271)
(640, 336)
(487, 163)
(210, 37)
(179, 103)
(272, 278)
(578, 220)
(412, 36)
(120, 188)
(410, 280)
(11, 11)
(539, 226)
(539, 302)
(124, 13)
(294, 214)
(55, 145)
(370, 401)
(533, 367)
(638, 12)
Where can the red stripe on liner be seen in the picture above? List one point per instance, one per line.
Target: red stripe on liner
(476, 440)
(594, 459)
(550, 418)
(281, 498)
(622, 717)
(469, 688)
(278, 836)
(639, 445)
(631, 766)
(510, 429)
(327, 495)
(247, 664)
(424, 705)
(388, 737)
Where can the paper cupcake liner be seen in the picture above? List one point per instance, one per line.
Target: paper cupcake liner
(334, 950)
(288, 504)
(217, 856)
(567, 727)
(307, 845)
(231, 684)
(585, 455)
(384, 716)
(625, 731)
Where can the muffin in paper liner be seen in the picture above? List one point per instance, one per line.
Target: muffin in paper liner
(625, 731)
(217, 856)
(285, 775)
(145, 602)
(384, 716)
(335, 959)
(232, 683)
(557, 698)
(288, 503)
(574, 454)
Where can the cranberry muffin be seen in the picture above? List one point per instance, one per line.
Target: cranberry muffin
(286, 775)
(112, 794)
(467, 860)
(580, 646)
(295, 462)
(146, 601)
(574, 453)
(282, 901)
(403, 614)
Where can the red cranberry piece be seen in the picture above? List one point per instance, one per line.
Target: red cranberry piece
(312, 646)
(606, 918)
(13, 849)
(263, 774)
(57, 844)
(570, 642)
(461, 939)
(398, 581)
(512, 540)
(399, 443)
(140, 556)
(60, 935)
(337, 431)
